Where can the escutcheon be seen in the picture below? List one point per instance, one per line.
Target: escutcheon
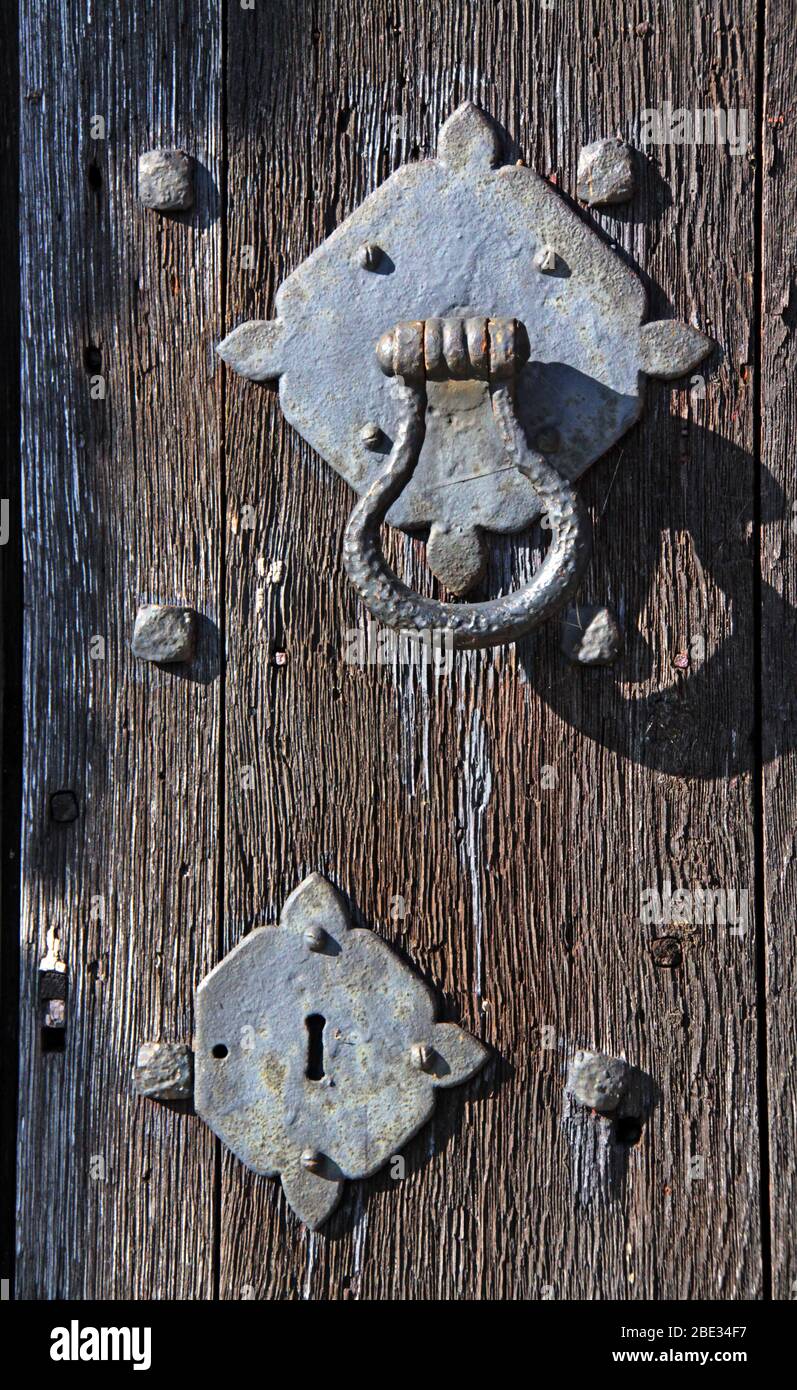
(317, 1055)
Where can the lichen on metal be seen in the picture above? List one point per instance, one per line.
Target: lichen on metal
(461, 239)
(316, 1054)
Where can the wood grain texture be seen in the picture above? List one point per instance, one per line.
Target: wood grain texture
(778, 625)
(10, 625)
(122, 505)
(500, 824)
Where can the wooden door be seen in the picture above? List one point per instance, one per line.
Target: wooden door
(499, 824)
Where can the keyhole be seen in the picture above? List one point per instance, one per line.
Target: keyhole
(315, 1024)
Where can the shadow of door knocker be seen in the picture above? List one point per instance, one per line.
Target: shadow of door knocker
(460, 350)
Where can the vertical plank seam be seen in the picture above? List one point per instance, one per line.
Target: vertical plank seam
(222, 611)
(762, 1072)
(11, 668)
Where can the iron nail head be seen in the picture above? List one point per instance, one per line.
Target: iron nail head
(369, 255)
(371, 435)
(421, 1056)
(315, 938)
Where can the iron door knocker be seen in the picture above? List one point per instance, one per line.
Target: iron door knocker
(461, 349)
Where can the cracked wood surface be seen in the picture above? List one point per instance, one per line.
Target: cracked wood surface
(779, 629)
(121, 506)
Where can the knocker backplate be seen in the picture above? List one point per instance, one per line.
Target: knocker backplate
(460, 241)
(459, 236)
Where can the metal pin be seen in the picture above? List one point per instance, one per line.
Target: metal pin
(545, 259)
(312, 1160)
(369, 255)
(315, 938)
(421, 1056)
(371, 435)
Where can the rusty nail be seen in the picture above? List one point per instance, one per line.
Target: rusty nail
(421, 1056)
(667, 951)
(369, 255)
(316, 938)
(311, 1160)
(681, 661)
(371, 435)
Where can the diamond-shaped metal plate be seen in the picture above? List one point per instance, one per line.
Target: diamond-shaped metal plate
(460, 236)
(383, 1053)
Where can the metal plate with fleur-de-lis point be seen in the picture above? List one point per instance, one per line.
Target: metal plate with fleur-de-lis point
(461, 349)
(317, 1054)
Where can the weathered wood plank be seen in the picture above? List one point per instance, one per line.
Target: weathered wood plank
(522, 888)
(122, 504)
(778, 626)
(10, 623)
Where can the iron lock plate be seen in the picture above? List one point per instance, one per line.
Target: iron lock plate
(317, 1054)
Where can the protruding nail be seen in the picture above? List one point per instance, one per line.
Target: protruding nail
(163, 633)
(371, 435)
(599, 1082)
(369, 255)
(312, 1160)
(315, 938)
(421, 1056)
(164, 1071)
(606, 173)
(166, 180)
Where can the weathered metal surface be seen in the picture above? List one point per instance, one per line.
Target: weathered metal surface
(468, 625)
(166, 180)
(605, 173)
(590, 635)
(314, 982)
(599, 1082)
(164, 1071)
(163, 633)
(457, 237)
